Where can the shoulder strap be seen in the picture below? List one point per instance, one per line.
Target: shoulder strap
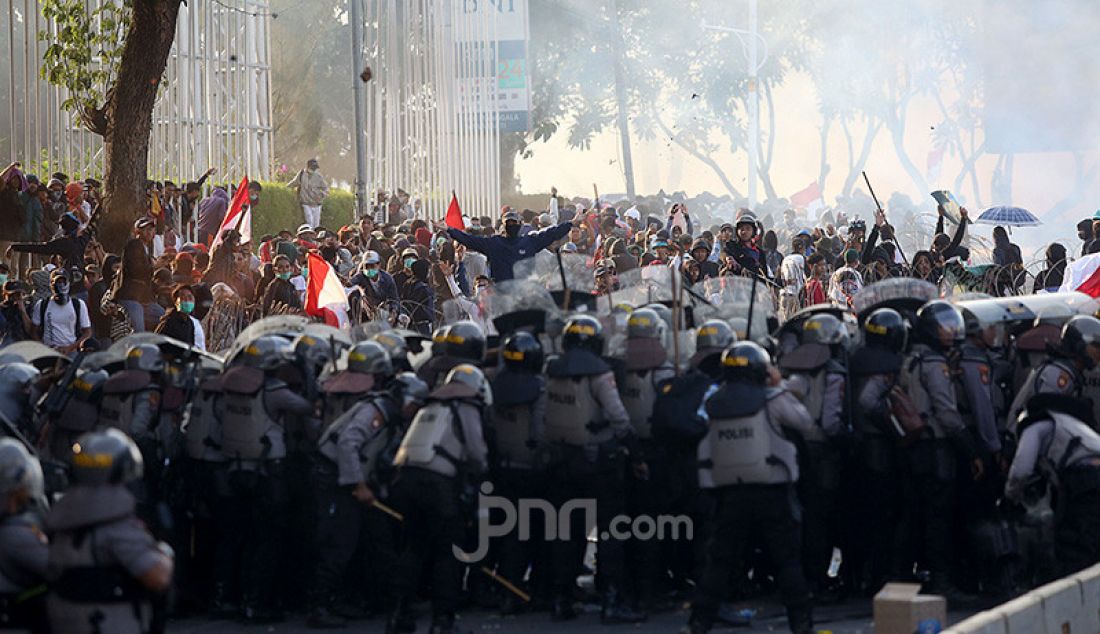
(76, 315)
(42, 315)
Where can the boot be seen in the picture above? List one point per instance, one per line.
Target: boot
(562, 610)
(323, 618)
(801, 619)
(222, 606)
(615, 610)
(401, 620)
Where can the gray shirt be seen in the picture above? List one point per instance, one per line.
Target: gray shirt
(1055, 376)
(24, 553)
(976, 383)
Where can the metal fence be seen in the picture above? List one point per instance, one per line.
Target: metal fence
(214, 107)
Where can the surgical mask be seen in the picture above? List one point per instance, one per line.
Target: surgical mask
(440, 242)
(372, 273)
(305, 271)
(253, 198)
(3, 278)
(283, 276)
(409, 262)
(511, 229)
(186, 307)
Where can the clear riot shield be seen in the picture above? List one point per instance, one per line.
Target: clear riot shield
(904, 294)
(730, 298)
(289, 326)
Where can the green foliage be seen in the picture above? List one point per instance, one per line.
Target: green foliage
(279, 209)
(83, 53)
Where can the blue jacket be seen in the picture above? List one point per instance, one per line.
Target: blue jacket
(383, 290)
(503, 252)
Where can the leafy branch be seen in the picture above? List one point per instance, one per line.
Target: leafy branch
(83, 54)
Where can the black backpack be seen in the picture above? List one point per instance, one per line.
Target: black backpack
(675, 412)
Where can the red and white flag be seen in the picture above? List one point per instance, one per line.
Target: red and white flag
(934, 166)
(238, 216)
(1083, 276)
(454, 214)
(323, 288)
(810, 198)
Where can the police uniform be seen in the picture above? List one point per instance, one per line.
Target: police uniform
(254, 442)
(443, 446)
(929, 465)
(515, 434)
(1055, 442)
(1053, 376)
(131, 403)
(24, 553)
(79, 415)
(751, 468)
(589, 430)
(98, 548)
(349, 450)
(823, 394)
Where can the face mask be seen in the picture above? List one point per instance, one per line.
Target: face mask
(372, 273)
(305, 271)
(60, 290)
(512, 230)
(283, 276)
(186, 307)
(253, 198)
(440, 242)
(3, 278)
(409, 262)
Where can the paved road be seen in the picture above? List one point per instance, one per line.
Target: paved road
(849, 618)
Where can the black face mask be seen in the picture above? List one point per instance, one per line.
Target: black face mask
(60, 292)
(511, 230)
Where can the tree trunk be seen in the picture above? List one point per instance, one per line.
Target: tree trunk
(824, 169)
(703, 158)
(856, 165)
(511, 144)
(130, 116)
(765, 159)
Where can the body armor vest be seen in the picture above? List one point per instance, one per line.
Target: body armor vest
(203, 432)
(379, 438)
(913, 384)
(512, 430)
(638, 394)
(743, 447)
(424, 439)
(572, 414)
(1072, 442)
(249, 432)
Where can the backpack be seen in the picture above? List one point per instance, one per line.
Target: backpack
(675, 412)
(74, 302)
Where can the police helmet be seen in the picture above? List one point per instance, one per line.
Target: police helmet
(1077, 335)
(746, 362)
(466, 340)
(19, 470)
(714, 333)
(394, 344)
(664, 312)
(144, 356)
(106, 457)
(471, 376)
(267, 352)
(16, 380)
(645, 323)
(369, 357)
(885, 328)
(583, 332)
(825, 329)
(310, 349)
(940, 324)
(522, 352)
(88, 385)
(440, 346)
(411, 389)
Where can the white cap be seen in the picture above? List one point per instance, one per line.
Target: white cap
(371, 257)
(633, 213)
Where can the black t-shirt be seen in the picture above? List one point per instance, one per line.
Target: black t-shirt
(11, 324)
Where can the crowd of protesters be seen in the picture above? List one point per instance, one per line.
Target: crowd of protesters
(395, 260)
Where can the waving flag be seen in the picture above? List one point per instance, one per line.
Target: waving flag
(1083, 276)
(323, 288)
(454, 214)
(238, 216)
(810, 198)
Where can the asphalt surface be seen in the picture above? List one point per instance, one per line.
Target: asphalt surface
(849, 618)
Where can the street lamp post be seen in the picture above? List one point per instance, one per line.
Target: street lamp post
(360, 113)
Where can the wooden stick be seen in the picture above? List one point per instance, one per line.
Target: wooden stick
(507, 584)
(388, 511)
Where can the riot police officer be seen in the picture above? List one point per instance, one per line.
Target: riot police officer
(875, 368)
(590, 434)
(750, 469)
(397, 348)
(341, 476)
(23, 545)
(442, 449)
(106, 570)
(1056, 442)
(17, 382)
(823, 386)
(928, 465)
(646, 366)
(132, 403)
(975, 384)
(515, 433)
(460, 342)
(79, 415)
(257, 405)
(1077, 351)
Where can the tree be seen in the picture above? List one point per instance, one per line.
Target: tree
(111, 61)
